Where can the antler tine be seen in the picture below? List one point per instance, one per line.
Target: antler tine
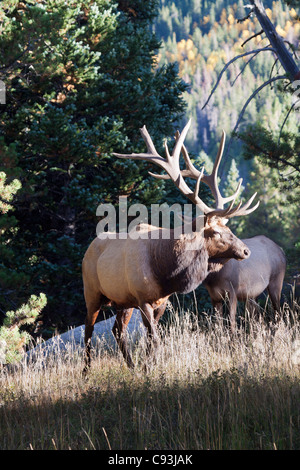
(238, 211)
(152, 155)
(190, 170)
(225, 212)
(148, 141)
(212, 181)
(180, 142)
(171, 165)
(176, 150)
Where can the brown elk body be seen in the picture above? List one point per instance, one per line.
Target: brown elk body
(142, 273)
(263, 269)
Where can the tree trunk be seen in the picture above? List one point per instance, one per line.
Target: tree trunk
(285, 57)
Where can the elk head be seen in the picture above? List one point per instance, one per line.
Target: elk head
(220, 242)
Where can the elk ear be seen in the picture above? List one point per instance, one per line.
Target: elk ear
(225, 221)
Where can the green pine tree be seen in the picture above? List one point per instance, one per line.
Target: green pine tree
(81, 80)
(12, 338)
(11, 272)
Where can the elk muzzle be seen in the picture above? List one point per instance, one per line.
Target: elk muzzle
(241, 251)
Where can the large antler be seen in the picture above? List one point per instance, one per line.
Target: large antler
(171, 165)
(212, 181)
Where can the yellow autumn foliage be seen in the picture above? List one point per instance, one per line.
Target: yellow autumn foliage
(214, 58)
(297, 29)
(245, 34)
(280, 31)
(188, 55)
(231, 19)
(189, 44)
(186, 50)
(181, 45)
(288, 26)
(269, 13)
(191, 56)
(293, 13)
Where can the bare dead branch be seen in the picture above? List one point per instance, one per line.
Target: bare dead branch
(241, 72)
(268, 82)
(252, 37)
(286, 118)
(292, 47)
(273, 67)
(277, 42)
(241, 20)
(256, 51)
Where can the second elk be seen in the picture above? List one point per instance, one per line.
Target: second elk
(264, 269)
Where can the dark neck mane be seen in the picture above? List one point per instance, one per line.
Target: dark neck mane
(179, 265)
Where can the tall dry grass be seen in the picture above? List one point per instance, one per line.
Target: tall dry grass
(206, 389)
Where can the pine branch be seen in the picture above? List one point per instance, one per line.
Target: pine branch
(4, 69)
(8, 203)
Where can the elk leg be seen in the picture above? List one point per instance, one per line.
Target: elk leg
(218, 307)
(119, 332)
(274, 290)
(232, 311)
(158, 312)
(150, 324)
(93, 309)
(251, 307)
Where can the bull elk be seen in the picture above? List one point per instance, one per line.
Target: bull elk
(263, 269)
(142, 273)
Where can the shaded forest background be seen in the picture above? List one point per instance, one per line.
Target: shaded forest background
(80, 81)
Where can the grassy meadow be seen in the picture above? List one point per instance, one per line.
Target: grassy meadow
(206, 389)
